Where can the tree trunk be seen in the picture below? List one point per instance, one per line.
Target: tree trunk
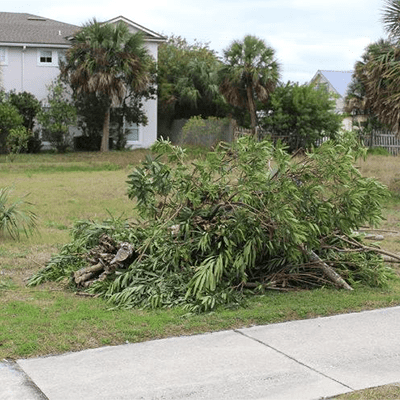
(252, 110)
(106, 131)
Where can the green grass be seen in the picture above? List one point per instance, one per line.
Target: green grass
(52, 319)
(388, 392)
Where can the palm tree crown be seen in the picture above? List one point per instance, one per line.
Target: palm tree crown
(109, 61)
(391, 18)
(250, 72)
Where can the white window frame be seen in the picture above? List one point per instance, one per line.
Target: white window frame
(54, 58)
(130, 141)
(3, 56)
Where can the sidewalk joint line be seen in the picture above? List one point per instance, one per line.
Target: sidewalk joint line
(27, 379)
(292, 358)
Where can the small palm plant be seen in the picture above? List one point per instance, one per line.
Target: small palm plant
(15, 215)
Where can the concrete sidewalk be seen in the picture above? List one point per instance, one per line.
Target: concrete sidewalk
(297, 360)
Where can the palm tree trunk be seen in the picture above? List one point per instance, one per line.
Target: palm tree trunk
(106, 131)
(252, 110)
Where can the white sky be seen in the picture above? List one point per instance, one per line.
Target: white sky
(307, 35)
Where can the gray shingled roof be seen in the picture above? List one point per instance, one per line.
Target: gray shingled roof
(32, 29)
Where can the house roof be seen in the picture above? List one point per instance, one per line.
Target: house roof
(338, 80)
(21, 28)
(149, 35)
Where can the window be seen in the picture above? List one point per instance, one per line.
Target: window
(120, 128)
(47, 58)
(3, 56)
(132, 131)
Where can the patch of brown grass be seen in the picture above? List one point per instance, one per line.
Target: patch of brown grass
(384, 168)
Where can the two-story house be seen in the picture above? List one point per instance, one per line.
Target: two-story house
(30, 49)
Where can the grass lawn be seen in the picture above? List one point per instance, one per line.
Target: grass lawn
(51, 319)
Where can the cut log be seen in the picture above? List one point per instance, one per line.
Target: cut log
(87, 273)
(106, 257)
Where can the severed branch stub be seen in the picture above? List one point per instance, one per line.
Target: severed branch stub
(330, 272)
(105, 259)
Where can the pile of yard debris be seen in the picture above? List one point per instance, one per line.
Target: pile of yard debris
(246, 218)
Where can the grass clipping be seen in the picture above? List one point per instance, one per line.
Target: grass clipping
(246, 218)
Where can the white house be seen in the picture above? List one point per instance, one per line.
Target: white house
(31, 46)
(337, 83)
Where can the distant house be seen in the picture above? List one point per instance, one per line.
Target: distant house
(337, 83)
(30, 49)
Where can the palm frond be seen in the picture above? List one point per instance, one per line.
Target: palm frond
(391, 18)
(15, 216)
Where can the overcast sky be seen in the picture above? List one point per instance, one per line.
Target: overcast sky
(307, 35)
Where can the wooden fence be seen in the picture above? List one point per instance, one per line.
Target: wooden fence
(388, 141)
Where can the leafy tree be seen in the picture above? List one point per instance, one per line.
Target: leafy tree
(188, 80)
(57, 118)
(110, 62)
(226, 226)
(28, 106)
(17, 141)
(249, 74)
(130, 111)
(10, 118)
(91, 108)
(301, 112)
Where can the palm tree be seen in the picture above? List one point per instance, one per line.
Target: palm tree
(249, 73)
(109, 61)
(380, 74)
(356, 101)
(391, 18)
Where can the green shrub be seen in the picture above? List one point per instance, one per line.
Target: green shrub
(378, 151)
(17, 141)
(57, 118)
(204, 132)
(9, 119)
(304, 114)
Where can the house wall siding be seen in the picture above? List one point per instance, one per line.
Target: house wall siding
(12, 70)
(22, 73)
(148, 133)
